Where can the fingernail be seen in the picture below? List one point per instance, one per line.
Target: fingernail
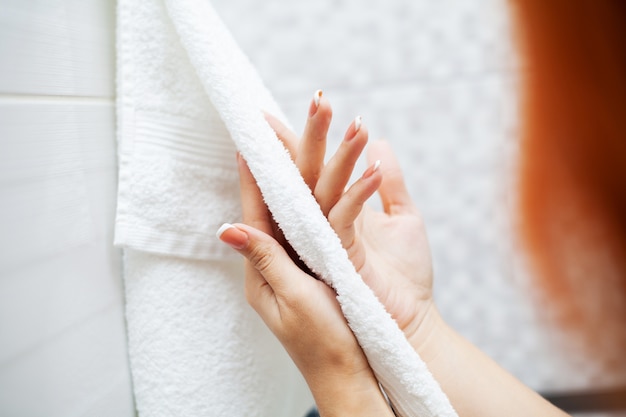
(232, 236)
(358, 121)
(315, 103)
(370, 171)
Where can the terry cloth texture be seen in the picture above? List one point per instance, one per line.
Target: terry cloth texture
(196, 348)
(185, 91)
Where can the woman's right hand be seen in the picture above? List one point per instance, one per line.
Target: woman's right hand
(388, 248)
(390, 251)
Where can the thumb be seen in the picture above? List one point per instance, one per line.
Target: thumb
(262, 252)
(393, 191)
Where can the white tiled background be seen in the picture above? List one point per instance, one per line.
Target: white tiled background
(435, 78)
(62, 334)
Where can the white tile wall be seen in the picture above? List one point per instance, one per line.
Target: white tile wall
(62, 330)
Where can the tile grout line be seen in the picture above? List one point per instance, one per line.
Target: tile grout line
(34, 98)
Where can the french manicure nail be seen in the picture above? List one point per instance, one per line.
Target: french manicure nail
(351, 133)
(357, 123)
(232, 236)
(316, 97)
(316, 102)
(372, 169)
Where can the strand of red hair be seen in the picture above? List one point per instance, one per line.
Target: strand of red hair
(573, 161)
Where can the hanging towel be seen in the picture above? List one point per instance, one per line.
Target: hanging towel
(155, 216)
(196, 348)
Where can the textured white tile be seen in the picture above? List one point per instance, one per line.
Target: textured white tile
(63, 349)
(71, 373)
(355, 44)
(60, 47)
(48, 151)
(51, 296)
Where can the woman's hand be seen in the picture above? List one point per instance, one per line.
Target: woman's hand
(302, 312)
(390, 251)
(388, 248)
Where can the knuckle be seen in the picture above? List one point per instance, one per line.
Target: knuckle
(263, 257)
(334, 218)
(339, 222)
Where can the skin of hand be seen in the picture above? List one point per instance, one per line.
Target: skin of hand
(303, 313)
(389, 249)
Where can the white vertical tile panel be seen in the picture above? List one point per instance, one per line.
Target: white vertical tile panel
(57, 47)
(62, 332)
(72, 374)
(47, 150)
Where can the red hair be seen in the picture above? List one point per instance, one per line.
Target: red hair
(573, 160)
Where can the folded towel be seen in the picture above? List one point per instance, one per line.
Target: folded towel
(196, 348)
(237, 94)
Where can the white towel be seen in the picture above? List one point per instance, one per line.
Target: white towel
(237, 94)
(196, 348)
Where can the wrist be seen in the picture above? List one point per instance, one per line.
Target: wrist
(438, 345)
(428, 334)
(442, 349)
(349, 395)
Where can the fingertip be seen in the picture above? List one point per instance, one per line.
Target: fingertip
(317, 97)
(372, 169)
(393, 191)
(269, 117)
(323, 112)
(241, 236)
(357, 123)
(253, 234)
(357, 131)
(232, 236)
(275, 123)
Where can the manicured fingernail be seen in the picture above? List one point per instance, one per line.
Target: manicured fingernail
(316, 97)
(232, 236)
(370, 171)
(315, 103)
(358, 121)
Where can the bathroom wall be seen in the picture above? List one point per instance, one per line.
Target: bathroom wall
(62, 334)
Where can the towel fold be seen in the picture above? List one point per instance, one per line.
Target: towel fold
(150, 219)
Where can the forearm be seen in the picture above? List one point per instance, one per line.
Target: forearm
(474, 383)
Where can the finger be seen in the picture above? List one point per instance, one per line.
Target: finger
(312, 148)
(259, 293)
(254, 210)
(267, 258)
(336, 174)
(286, 136)
(343, 215)
(393, 191)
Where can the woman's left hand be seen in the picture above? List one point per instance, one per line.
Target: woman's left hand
(302, 312)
